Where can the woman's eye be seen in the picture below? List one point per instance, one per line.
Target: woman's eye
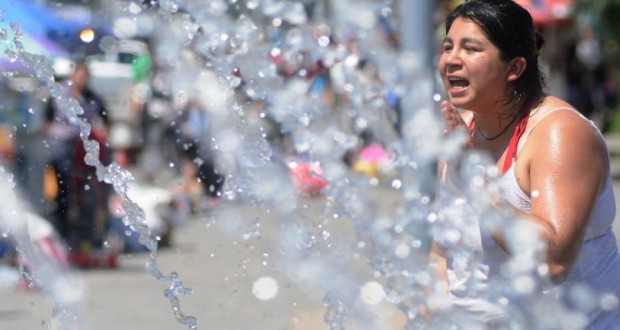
(471, 49)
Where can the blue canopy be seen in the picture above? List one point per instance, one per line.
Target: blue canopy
(62, 25)
(26, 23)
(32, 17)
(80, 18)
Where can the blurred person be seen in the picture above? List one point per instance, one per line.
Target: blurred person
(580, 79)
(590, 78)
(152, 103)
(194, 148)
(554, 165)
(81, 199)
(139, 98)
(30, 151)
(47, 249)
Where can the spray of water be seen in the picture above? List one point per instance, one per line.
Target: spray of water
(245, 61)
(112, 174)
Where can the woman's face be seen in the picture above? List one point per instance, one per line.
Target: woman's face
(474, 75)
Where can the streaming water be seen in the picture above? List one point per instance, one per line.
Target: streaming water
(112, 174)
(325, 72)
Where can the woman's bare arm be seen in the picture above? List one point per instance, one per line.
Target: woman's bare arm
(564, 169)
(568, 169)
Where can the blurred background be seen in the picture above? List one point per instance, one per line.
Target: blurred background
(143, 124)
(580, 59)
(109, 56)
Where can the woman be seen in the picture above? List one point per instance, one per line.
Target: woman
(554, 162)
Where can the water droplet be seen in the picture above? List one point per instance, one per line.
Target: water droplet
(402, 250)
(609, 302)
(372, 293)
(323, 41)
(524, 284)
(265, 288)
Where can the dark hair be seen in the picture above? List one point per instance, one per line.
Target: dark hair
(511, 29)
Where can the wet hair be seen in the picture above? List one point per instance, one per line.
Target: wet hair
(511, 29)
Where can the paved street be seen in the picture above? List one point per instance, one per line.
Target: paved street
(212, 258)
(215, 259)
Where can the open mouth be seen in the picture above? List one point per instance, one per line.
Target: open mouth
(458, 83)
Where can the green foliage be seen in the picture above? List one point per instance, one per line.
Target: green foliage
(603, 15)
(609, 19)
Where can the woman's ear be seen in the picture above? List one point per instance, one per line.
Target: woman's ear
(516, 67)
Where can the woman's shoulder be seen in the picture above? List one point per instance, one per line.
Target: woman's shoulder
(551, 104)
(554, 112)
(560, 133)
(555, 118)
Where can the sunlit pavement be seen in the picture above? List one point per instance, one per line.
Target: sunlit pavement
(212, 257)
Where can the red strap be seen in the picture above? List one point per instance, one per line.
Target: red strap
(470, 127)
(511, 154)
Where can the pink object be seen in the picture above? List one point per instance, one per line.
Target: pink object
(545, 12)
(307, 177)
(373, 153)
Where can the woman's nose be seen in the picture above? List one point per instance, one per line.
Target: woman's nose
(453, 58)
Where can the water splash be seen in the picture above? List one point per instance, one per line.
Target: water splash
(236, 57)
(56, 281)
(113, 174)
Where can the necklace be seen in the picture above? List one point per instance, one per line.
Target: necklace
(498, 134)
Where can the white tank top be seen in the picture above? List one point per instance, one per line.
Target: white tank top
(597, 264)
